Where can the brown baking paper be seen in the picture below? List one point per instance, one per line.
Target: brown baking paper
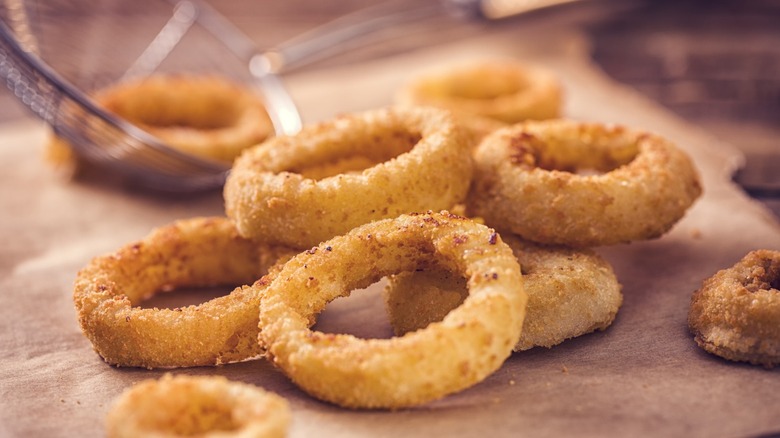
(644, 376)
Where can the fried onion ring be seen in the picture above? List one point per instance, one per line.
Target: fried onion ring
(195, 252)
(448, 356)
(506, 90)
(207, 116)
(418, 159)
(527, 182)
(736, 313)
(203, 115)
(206, 406)
(570, 293)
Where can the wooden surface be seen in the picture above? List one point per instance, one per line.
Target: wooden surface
(716, 64)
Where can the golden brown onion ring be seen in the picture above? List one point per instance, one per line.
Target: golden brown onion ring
(530, 180)
(211, 406)
(505, 90)
(195, 252)
(445, 357)
(570, 293)
(736, 313)
(419, 161)
(203, 115)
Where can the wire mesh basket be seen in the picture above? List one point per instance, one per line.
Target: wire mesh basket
(53, 54)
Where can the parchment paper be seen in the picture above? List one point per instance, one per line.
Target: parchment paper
(644, 376)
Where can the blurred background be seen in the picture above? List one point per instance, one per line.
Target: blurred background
(715, 63)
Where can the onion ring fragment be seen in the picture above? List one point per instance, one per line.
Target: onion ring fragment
(445, 357)
(570, 293)
(205, 406)
(735, 314)
(529, 180)
(198, 252)
(304, 189)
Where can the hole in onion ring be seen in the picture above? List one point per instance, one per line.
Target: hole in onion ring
(452, 289)
(436, 289)
(765, 277)
(442, 292)
(199, 414)
(380, 149)
(773, 277)
(582, 155)
(772, 284)
(361, 314)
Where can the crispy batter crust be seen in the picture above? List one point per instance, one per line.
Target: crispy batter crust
(530, 179)
(570, 293)
(304, 189)
(736, 313)
(447, 356)
(210, 406)
(194, 252)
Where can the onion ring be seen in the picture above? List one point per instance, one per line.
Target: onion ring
(504, 90)
(272, 195)
(206, 406)
(203, 115)
(456, 353)
(570, 293)
(736, 313)
(195, 252)
(525, 182)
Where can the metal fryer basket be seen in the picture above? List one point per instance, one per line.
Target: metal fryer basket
(54, 53)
